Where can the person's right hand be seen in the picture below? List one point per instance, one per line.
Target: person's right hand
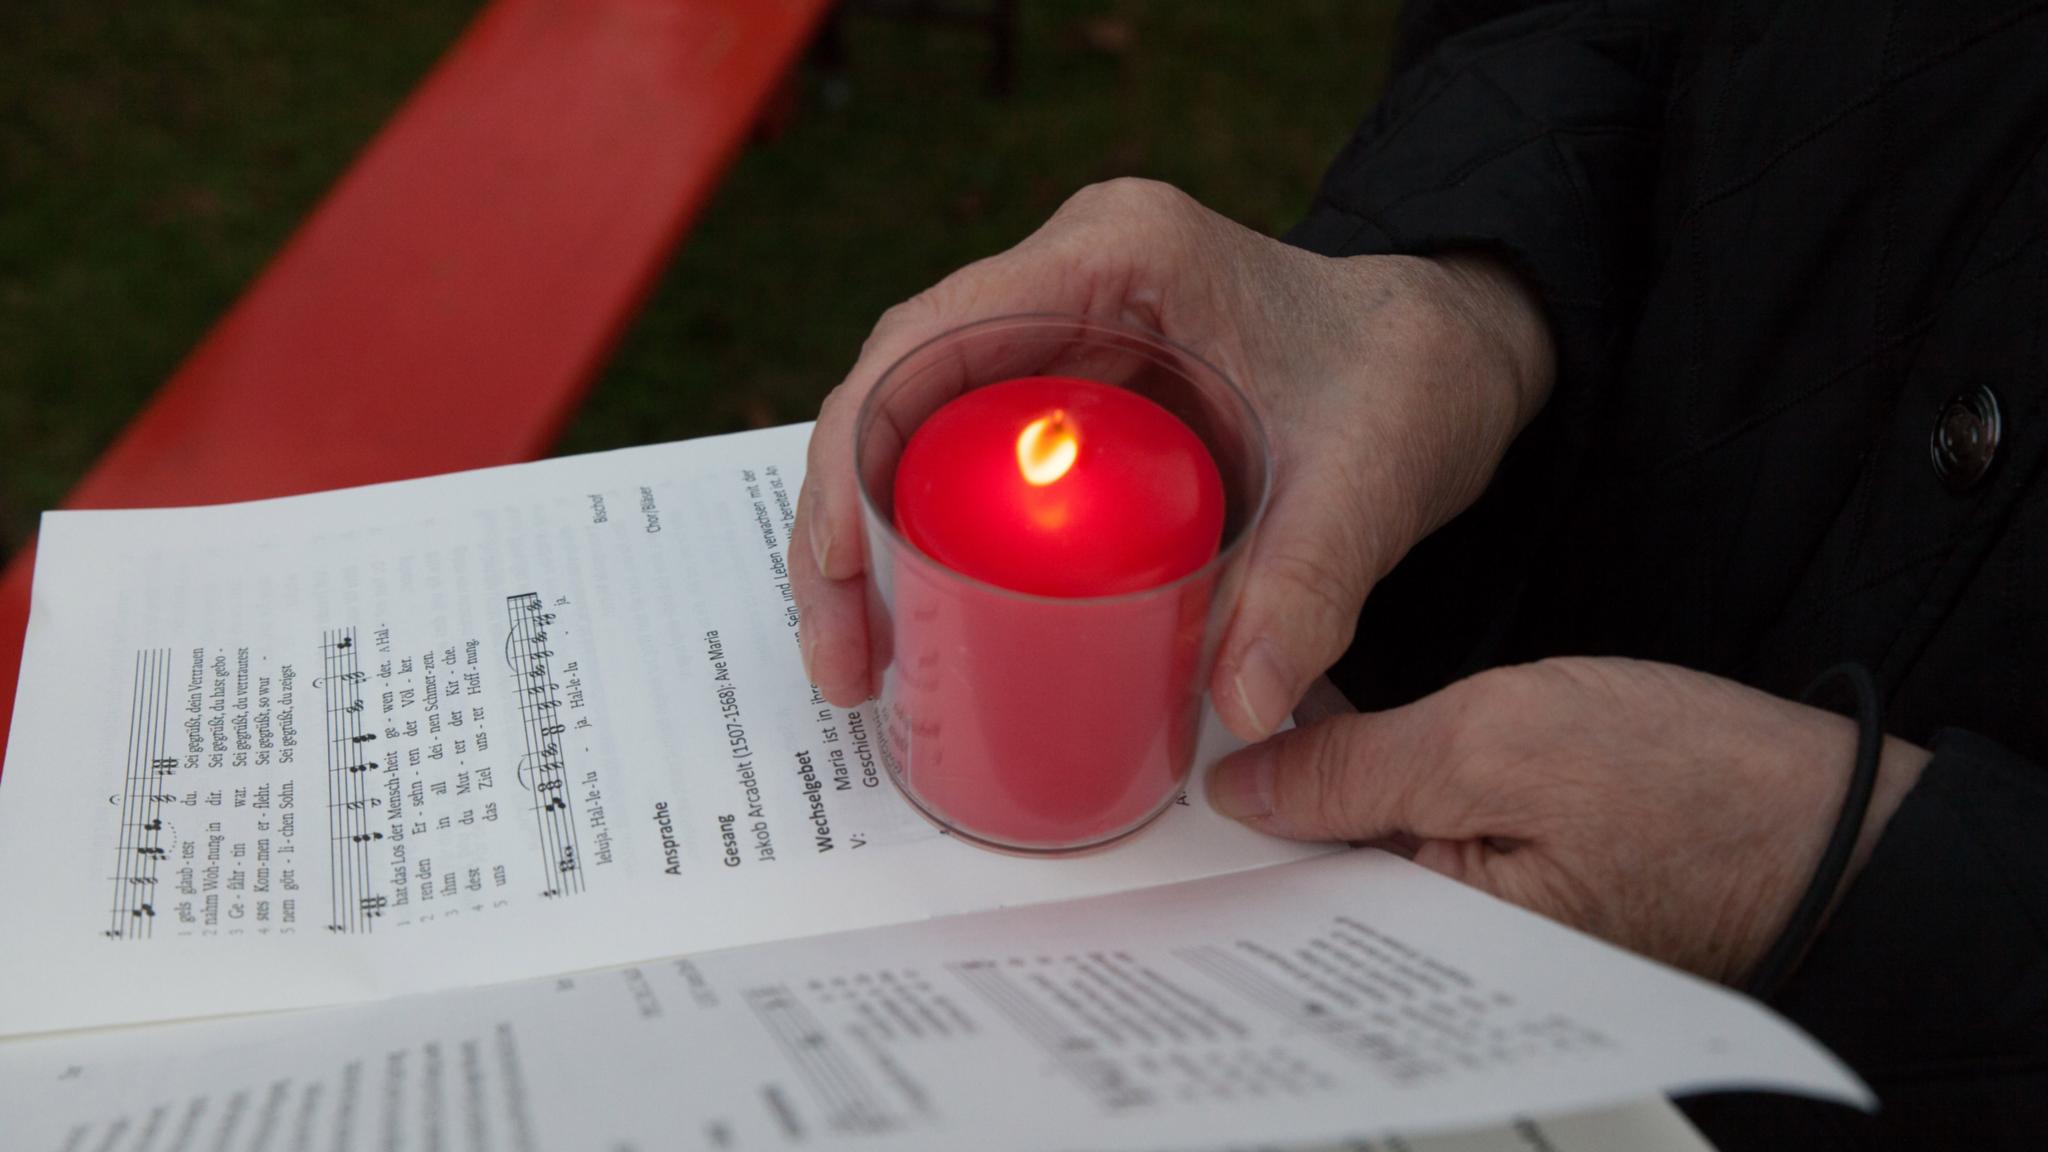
(1391, 387)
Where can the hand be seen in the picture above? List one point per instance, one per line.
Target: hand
(1671, 812)
(1391, 386)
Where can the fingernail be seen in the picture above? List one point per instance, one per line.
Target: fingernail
(1262, 686)
(1241, 785)
(821, 537)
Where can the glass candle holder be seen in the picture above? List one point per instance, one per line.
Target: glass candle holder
(1047, 723)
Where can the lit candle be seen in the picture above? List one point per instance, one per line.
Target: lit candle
(1060, 487)
(1082, 496)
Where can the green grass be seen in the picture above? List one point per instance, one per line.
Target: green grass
(152, 157)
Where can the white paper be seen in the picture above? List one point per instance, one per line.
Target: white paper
(282, 754)
(1644, 1126)
(1334, 998)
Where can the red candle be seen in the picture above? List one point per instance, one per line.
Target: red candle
(1066, 715)
(1060, 487)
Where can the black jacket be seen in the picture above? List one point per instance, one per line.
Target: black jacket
(1779, 244)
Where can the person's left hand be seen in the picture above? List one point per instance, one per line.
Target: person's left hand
(1671, 812)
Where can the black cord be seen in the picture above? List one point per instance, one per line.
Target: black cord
(1792, 943)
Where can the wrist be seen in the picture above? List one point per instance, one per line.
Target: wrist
(1877, 785)
(1899, 768)
(1436, 364)
(1478, 363)
(1503, 309)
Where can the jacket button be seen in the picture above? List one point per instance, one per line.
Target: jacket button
(1965, 439)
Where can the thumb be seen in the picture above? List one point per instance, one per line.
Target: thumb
(1326, 541)
(1367, 776)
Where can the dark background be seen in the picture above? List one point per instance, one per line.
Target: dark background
(152, 156)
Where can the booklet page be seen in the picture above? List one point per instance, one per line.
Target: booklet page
(457, 731)
(1337, 998)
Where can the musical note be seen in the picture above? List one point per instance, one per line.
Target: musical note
(543, 769)
(366, 837)
(153, 826)
(359, 805)
(142, 879)
(163, 798)
(152, 853)
(355, 707)
(373, 905)
(365, 738)
(164, 765)
(359, 768)
(344, 644)
(144, 910)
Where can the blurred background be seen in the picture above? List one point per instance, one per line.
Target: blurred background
(154, 156)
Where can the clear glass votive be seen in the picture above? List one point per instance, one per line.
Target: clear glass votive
(1045, 723)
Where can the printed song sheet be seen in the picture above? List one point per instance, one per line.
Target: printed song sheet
(1332, 998)
(458, 731)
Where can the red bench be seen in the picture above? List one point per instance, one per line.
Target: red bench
(449, 302)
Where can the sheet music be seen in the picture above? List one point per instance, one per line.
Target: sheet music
(454, 731)
(1336, 998)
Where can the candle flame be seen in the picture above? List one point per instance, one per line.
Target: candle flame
(1047, 448)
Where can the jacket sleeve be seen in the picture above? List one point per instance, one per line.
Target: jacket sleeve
(1931, 977)
(1530, 131)
(1527, 130)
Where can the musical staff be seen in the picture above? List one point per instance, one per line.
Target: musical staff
(355, 904)
(850, 1103)
(146, 780)
(540, 721)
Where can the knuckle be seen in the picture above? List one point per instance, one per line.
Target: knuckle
(1481, 688)
(834, 402)
(1569, 672)
(1130, 196)
(895, 318)
(836, 410)
(1510, 690)
(1500, 732)
(1605, 681)
(1462, 721)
